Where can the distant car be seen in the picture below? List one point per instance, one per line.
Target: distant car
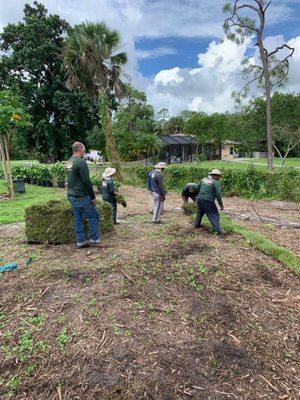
(94, 156)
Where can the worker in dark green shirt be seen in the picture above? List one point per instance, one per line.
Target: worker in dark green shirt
(209, 190)
(108, 191)
(82, 198)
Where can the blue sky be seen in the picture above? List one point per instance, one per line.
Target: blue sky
(174, 46)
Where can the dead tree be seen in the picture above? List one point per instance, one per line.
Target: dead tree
(270, 71)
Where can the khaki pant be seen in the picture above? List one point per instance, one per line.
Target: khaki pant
(158, 206)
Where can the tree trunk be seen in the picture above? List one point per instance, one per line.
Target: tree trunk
(267, 85)
(4, 147)
(111, 148)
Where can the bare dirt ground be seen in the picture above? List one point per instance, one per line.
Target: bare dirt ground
(159, 312)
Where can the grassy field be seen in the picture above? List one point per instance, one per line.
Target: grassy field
(13, 210)
(290, 162)
(260, 163)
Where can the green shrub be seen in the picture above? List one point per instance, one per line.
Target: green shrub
(18, 172)
(282, 184)
(96, 181)
(59, 171)
(52, 222)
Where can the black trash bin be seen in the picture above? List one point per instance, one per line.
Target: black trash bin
(19, 185)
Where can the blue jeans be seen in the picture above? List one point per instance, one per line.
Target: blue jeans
(83, 208)
(210, 209)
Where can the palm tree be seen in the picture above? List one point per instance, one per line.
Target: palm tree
(94, 67)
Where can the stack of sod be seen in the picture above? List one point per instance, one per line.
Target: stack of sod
(121, 199)
(189, 208)
(52, 222)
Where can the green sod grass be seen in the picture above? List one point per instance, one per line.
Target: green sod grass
(259, 241)
(13, 210)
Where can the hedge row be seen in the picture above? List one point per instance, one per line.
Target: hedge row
(282, 184)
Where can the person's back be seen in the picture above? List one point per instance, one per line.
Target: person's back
(79, 184)
(108, 190)
(157, 183)
(209, 189)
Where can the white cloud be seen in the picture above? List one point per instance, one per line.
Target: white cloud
(209, 87)
(154, 53)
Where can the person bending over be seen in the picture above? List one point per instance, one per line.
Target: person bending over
(209, 190)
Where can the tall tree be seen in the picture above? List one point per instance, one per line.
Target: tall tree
(248, 18)
(208, 128)
(134, 126)
(95, 67)
(12, 115)
(32, 63)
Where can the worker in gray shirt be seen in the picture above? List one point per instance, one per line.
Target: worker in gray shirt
(158, 191)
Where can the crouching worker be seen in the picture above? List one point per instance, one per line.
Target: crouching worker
(108, 191)
(209, 190)
(82, 198)
(190, 191)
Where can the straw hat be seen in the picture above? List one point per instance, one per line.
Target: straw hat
(215, 172)
(160, 165)
(108, 172)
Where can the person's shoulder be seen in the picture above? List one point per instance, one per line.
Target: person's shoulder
(81, 162)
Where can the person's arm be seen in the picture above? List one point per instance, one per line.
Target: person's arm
(218, 194)
(160, 185)
(85, 177)
(111, 187)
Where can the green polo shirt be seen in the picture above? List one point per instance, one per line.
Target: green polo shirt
(79, 183)
(210, 189)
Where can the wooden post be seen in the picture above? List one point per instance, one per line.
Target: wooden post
(4, 145)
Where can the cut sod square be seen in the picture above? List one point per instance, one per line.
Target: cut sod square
(52, 222)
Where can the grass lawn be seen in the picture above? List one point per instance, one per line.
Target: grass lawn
(22, 162)
(290, 162)
(13, 210)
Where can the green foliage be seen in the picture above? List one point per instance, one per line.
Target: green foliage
(12, 112)
(134, 126)
(59, 172)
(209, 128)
(31, 62)
(63, 339)
(251, 182)
(96, 139)
(52, 222)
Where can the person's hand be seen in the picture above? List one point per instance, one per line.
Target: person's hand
(163, 198)
(222, 208)
(94, 201)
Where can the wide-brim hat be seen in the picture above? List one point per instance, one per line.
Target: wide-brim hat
(108, 172)
(161, 165)
(215, 172)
